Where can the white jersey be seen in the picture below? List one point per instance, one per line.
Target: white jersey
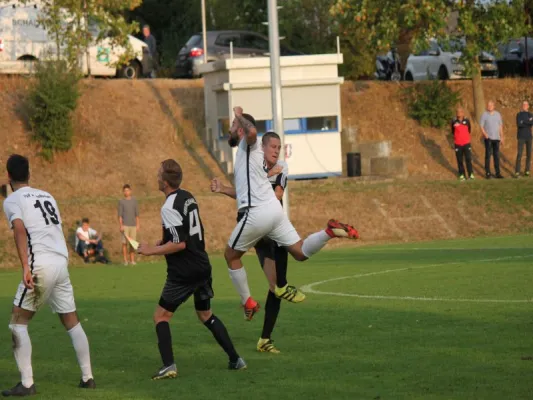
(39, 212)
(251, 182)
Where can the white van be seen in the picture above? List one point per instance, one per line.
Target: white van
(23, 41)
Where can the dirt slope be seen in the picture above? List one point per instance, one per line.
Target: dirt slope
(125, 129)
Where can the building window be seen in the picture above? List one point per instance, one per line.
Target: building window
(261, 126)
(322, 124)
(292, 125)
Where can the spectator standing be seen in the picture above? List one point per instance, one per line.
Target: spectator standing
(89, 242)
(128, 218)
(461, 130)
(524, 122)
(150, 41)
(492, 128)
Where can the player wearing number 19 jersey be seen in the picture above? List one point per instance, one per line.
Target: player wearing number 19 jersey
(188, 269)
(34, 217)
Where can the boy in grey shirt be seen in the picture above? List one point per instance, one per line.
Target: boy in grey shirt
(128, 218)
(492, 128)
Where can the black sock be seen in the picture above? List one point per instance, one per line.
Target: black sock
(165, 343)
(281, 257)
(221, 335)
(271, 314)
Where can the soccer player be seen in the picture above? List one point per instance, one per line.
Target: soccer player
(36, 222)
(263, 214)
(188, 269)
(271, 257)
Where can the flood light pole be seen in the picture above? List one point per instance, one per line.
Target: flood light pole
(275, 78)
(204, 31)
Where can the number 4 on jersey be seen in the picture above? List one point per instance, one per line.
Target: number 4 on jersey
(194, 224)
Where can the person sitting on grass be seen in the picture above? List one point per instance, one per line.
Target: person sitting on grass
(89, 243)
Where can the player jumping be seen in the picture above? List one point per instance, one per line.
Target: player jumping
(188, 269)
(34, 217)
(263, 214)
(272, 258)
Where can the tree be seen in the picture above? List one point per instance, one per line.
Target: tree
(76, 24)
(481, 24)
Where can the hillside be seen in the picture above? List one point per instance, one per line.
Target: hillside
(125, 129)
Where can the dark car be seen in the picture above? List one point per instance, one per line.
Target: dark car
(512, 57)
(245, 44)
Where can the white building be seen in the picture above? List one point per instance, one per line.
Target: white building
(311, 109)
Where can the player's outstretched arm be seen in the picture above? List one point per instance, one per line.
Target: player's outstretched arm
(21, 241)
(167, 248)
(218, 187)
(249, 129)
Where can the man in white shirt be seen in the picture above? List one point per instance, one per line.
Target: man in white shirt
(36, 222)
(88, 242)
(263, 213)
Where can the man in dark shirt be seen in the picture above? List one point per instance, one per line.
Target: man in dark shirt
(150, 41)
(463, 149)
(524, 121)
(188, 269)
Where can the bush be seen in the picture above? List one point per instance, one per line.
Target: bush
(431, 103)
(51, 101)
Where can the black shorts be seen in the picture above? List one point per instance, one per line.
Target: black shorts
(175, 293)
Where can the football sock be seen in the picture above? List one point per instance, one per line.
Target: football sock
(221, 335)
(22, 351)
(281, 257)
(240, 281)
(314, 242)
(81, 346)
(272, 307)
(165, 343)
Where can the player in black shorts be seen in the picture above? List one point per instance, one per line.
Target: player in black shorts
(188, 269)
(273, 258)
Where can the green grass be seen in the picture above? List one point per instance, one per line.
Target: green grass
(334, 347)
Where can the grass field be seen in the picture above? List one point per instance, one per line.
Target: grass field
(440, 320)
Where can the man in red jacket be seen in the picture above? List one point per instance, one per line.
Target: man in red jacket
(461, 137)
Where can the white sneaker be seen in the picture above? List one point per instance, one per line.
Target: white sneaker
(133, 263)
(125, 263)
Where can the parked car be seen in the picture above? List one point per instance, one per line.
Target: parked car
(436, 63)
(245, 44)
(23, 41)
(512, 57)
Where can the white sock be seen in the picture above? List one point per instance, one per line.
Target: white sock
(81, 346)
(240, 281)
(22, 351)
(314, 243)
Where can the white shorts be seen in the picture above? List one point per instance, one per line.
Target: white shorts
(52, 286)
(267, 220)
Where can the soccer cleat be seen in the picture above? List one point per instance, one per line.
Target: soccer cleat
(488, 176)
(239, 364)
(462, 178)
(526, 174)
(90, 384)
(251, 307)
(289, 293)
(516, 175)
(499, 176)
(169, 372)
(266, 346)
(337, 229)
(20, 391)
(472, 176)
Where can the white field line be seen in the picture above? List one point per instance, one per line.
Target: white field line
(309, 288)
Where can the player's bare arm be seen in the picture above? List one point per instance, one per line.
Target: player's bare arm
(277, 169)
(121, 223)
(249, 129)
(167, 248)
(21, 241)
(218, 187)
(279, 192)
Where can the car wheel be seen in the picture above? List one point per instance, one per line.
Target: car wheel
(130, 71)
(443, 73)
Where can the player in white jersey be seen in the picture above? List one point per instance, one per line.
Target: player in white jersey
(36, 222)
(264, 216)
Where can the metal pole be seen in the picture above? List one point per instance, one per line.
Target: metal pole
(204, 31)
(275, 77)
